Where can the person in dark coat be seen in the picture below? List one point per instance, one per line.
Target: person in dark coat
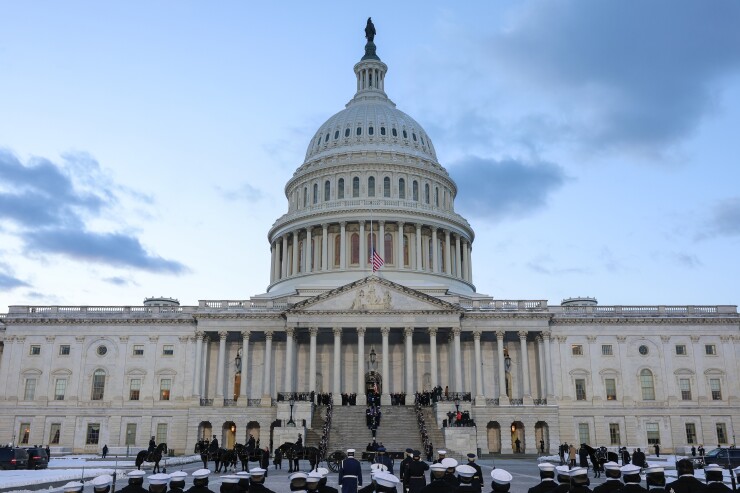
(547, 477)
(655, 479)
(323, 487)
(500, 481)
(613, 473)
(403, 466)
(437, 483)
(415, 472)
(105, 450)
(350, 473)
(562, 473)
(657, 450)
(177, 482)
(631, 477)
(382, 458)
(478, 476)
(693, 451)
(135, 482)
(257, 477)
(200, 482)
(715, 482)
(152, 445)
(465, 477)
(686, 482)
(583, 456)
(579, 480)
(638, 459)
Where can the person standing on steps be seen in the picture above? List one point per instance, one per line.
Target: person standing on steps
(350, 473)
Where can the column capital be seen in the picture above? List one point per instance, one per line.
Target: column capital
(591, 338)
(337, 331)
(522, 334)
(50, 338)
(407, 331)
(246, 334)
(456, 331)
(668, 338)
(500, 335)
(223, 335)
(290, 331)
(545, 335)
(183, 339)
(200, 335)
(432, 331)
(361, 331)
(313, 331)
(123, 339)
(268, 335)
(418, 225)
(620, 338)
(476, 334)
(381, 222)
(309, 228)
(565, 338)
(325, 225)
(447, 232)
(385, 330)
(343, 224)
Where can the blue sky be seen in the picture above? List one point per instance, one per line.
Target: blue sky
(144, 146)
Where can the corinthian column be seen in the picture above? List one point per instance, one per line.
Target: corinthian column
(548, 367)
(289, 332)
(363, 244)
(399, 247)
(503, 398)
(381, 239)
(458, 359)
(313, 332)
(266, 391)
(294, 269)
(525, 366)
(385, 398)
(324, 246)
(409, 333)
(435, 251)
(448, 254)
(480, 399)
(284, 254)
(336, 397)
(343, 245)
(245, 373)
(433, 353)
(309, 250)
(458, 258)
(220, 368)
(417, 237)
(361, 366)
(198, 364)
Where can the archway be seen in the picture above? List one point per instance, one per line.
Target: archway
(493, 430)
(373, 383)
(542, 436)
(517, 437)
(253, 429)
(228, 435)
(205, 430)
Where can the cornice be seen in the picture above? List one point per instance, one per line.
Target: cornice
(556, 320)
(101, 321)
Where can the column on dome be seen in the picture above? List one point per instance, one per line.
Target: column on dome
(399, 247)
(385, 398)
(361, 366)
(525, 366)
(417, 237)
(363, 243)
(324, 247)
(435, 252)
(466, 261)
(289, 340)
(337, 385)
(245, 372)
(343, 245)
(503, 398)
(284, 255)
(294, 267)
(448, 253)
(470, 263)
(433, 353)
(548, 365)
(220, 368)
(266, 390)
(308, 256)
(458, 259)
(458, 359)
(198, 364)
(272, 262)
(381, 239)
(313, 333)
(480, 399)
(409, 333)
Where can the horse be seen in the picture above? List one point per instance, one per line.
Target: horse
(154, 456)
(226, 458)
(596, 457)
(296, 454)
(246, 456)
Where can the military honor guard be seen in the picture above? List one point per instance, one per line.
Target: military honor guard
(416, 472)
(404, 464)
(562, 473)
(386, 482)
(632, 479)
(500, 480)
(613, 473)
(547, 478)
(478, 476)
(257, 481)
(323, 487)
(312, 481)
(177, 482)
(200, 481)
(655, 479)
(72, 487)
(135, 482)
(158, 482)
(350, 473)
(382, 458)
(450, 474)
(686, 482)
(579, 480)
(229, 484)
(714, 474)
(441, 454)
(298, 481)
(243, 484)
(437, 483)
(102, 484)
(465, 475)
(374, 469)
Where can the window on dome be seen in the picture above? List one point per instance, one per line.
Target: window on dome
(355, 187)
(401, 188)
(426, 193)
(386, 187)
(371, 186)
(422, 139)
(414, 136)
(370, 130)
(315, 193)
(405, 135)
(394, 132)
(355, 256)
(415, 191)
(318, 141)
(382, 130)
(359, 130)
(388, 246)
(327, 137)
(340, 188)
(327, 191)
(336, 135)
(305, 196)
(346, 132)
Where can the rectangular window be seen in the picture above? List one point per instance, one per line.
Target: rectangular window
(607, 350)
(138, 350)
(98, 386)
(25, 433)
(130, 433)
(690, 433)
(164, 389)
(716, 389)
(721, 433)
(680, 349)
(710, 349)
(576, 350)
(29, 393)
(581, 391)
(611, 389)
(161, 432)
(685, 385)
(168, 350)
(583, 434)
(64, 350)
(35, 349)
(653, 433)
(93, 434)
(134, 389)
(614, 433)
(60, 388)
(54, 433)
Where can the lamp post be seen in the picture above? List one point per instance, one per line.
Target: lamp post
(238, 365)
(290, 422)
(373, 358)
(507, 361)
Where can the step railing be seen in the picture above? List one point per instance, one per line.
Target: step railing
(422, 427)
(324, 442)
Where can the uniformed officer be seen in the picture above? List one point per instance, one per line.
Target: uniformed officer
(200, 481)
(579, 480)
(404, 464)
(631, 478)
(686, 482)
(229, 484)
(465, 475)
(416, 472)
(613, 473)
(441, 454)
(243, 485)
(312, 481)
(177, 482)
(478, 476)
(562, 473)
(158, 482)
(298, 481)
(135, 482)
(655, 479)
(500, 480)
(350, 473)
(450, 476)
(386, 482)
(323, 487)
(547, 477)
(102, 483)
(257, 481)
(372, 486)
(715, 481)
(437, 483)
(382, 458)
(73, 487)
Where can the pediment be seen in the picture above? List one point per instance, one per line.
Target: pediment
(373, 294)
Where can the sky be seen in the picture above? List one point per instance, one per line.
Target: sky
(145, 146)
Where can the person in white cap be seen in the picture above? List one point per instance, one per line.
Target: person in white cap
(229, 483)
(101, 484)
(404, 464)
(562, 473)
(415, 472)
(547, 478)
(655, 476)
(386, 482)
(72, 487)
(200, 481)
(437, 483)
(158, 482)
(312, 481)
(177, 482)
(478, 476)
(441, 454)
(631, 478)
(714, 477)
(500, 480)
(613, 473)
(298, 481)
(350, 473)
(465, 475)
(135, 482)
(686, 482)
(579, 480)
(243, 484)
(450, 474)
(257, 481)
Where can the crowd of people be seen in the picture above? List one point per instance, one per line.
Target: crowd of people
(349, 399)
(323, 399)
(459, 418)
(437, 394)
(324, 442)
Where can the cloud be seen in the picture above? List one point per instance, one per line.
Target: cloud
(686, 259)
(506, 189)
(119, 281)
(543, 264)
(724, 220)
(245, 192)
(50, 205)
(628, 76)
(8, 281)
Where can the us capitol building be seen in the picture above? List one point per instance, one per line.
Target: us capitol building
(78, 377)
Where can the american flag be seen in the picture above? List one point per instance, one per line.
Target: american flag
(377, 261)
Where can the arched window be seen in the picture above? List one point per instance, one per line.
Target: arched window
(340, 188)
(382, 130)
(355, 187)
(371, 186)
(394, 132)
(346, 132)
(337, 250)
(426, 193)
(386, 187)
(327, 137)
(370, 130)
(355, 257)
(327, 191)
(647, 384)
(401, 188)
(305, 196)
(388, 246)
(336, 135)
(315, 193)
(415, 191)
(98, 385)
(359, 131)
(405, 135)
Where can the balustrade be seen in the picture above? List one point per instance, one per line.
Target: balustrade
(206, 402)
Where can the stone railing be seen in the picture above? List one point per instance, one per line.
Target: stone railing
(297, 396)
(647, 310)
(540, 402)
(229, 402)
(516, 402)
(253, 402)
(509, 305)
(492, 402)
(206, 402)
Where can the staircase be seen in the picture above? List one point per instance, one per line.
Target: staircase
(313, 434)
(436, 436)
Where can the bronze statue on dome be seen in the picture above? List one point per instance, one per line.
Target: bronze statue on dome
(370, 30)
